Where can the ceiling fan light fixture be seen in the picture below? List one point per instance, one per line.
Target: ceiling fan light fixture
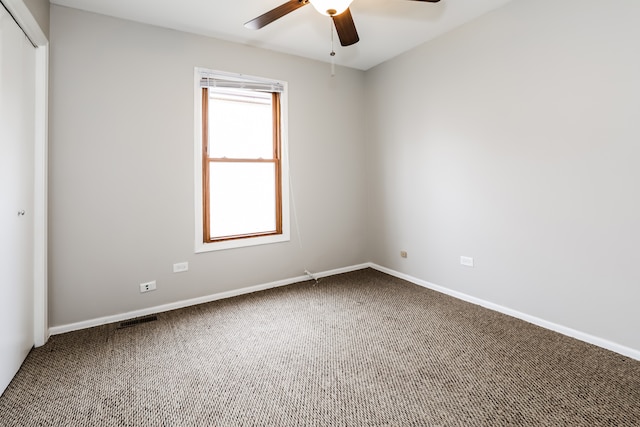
(331, 7)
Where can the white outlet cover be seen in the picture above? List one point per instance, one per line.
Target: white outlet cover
(148, 286)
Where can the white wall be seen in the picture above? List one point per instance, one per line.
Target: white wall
(515, 140)
(122, 172)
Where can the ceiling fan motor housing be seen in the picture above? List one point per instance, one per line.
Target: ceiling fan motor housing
(331, 7)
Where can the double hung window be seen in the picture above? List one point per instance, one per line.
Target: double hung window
(242, 150)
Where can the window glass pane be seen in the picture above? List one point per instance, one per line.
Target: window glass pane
(240, 127)
(243, 198)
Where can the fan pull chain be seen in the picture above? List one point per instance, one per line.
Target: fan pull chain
(333, 53)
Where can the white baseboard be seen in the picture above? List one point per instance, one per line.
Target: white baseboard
(55, 330)
(582, 336)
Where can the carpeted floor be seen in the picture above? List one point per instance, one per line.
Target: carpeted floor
(357, 349)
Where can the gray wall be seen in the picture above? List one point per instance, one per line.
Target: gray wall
(40, 11)
(122, 168)
(515, 140)
(512, 140)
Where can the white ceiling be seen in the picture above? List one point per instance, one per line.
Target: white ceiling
(386, 27)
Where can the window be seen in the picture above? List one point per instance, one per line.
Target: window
(241, 161)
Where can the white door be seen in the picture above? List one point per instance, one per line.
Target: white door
(17, 140)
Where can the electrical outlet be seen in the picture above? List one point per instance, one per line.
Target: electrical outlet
(180, 267)
(403, 254)
(466, 261)
(148, 286)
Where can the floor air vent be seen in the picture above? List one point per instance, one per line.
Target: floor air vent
(139, 320)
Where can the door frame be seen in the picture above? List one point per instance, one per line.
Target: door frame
(29, 25)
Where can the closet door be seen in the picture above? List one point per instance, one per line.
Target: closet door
(17, 139)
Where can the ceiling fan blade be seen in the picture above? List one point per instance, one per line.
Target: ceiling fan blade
(346, 28)
(273, 14)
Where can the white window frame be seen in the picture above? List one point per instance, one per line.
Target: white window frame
(200, 245)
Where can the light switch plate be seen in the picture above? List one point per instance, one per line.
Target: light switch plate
(466, 261)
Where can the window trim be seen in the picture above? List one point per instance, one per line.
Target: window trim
(282, 211)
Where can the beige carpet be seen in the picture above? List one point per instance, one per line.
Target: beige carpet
(358, 349)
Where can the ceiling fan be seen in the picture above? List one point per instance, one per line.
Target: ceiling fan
(338, 10)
